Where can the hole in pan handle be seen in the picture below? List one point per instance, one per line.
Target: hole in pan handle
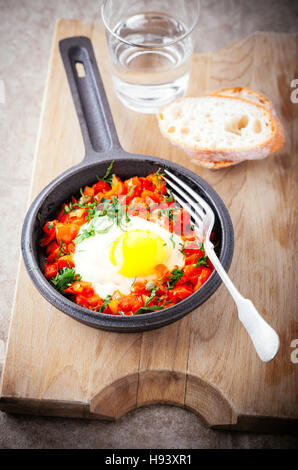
(89, 97)
(80, 69)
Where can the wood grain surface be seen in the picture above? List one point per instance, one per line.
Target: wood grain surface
(204, 362)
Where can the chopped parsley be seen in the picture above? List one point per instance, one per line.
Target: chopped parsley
(118, 211)
(170, 198)
(153, 293)
(159, 173)
(68, 207)
(130, 191)
(85, 233)
(203, 260)
(91, 231)
(169, 212)
(108, 177)
(174, 277)
(105, 303)
(64, 278)
(172, 240)
(61, 251)
(182, 249)
(113, 209)
(152, 308)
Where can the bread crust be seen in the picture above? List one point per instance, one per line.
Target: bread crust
(214, 165)
(262, 99)
(279, 139)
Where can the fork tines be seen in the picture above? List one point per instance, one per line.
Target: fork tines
(187, 198)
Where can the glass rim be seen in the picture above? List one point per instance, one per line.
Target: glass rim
(150, 46)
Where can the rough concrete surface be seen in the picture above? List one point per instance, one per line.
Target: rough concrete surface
(26, 28)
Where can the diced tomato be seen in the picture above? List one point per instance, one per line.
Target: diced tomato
(71, 248)
(148, 185)
(101, 186)
(192, 259)
(117, 294)
(182, 223)
(205, 273)
(156, 182)
(137, 208)
(49, 227)
(161, 270)
(117, 186)
(88, 191)
(190, 237)
(162, 288)
(52, 247)
(133, 187)
(66, 232)
(65, 262)
(98, 197)
(130, 302)
(150, 195)
(50, 270)
(116, 190)
(113, 306)
(90, 302)
(139, 287)
(49, 233)
(180, 293)
(210, 264)
(136, 201)
(192, 248)
(61, 213)
(81, 287)
(52, 251)
(77, 216)
(171, 303)
(191, 273)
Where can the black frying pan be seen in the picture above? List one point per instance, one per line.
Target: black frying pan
(102, 146)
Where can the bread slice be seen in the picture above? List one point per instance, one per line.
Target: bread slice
(220, 131)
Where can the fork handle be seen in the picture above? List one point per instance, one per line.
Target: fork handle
(263, 336)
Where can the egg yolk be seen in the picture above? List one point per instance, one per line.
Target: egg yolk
(137, 252)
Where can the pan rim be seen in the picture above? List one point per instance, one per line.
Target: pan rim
(115, 322)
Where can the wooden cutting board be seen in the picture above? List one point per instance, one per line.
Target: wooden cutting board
(204, 362)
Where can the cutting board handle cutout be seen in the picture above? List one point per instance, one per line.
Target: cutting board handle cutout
(202, 398)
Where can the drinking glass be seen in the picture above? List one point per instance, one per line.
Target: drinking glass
(150, 47)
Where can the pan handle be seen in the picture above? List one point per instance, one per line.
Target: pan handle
(89, 97)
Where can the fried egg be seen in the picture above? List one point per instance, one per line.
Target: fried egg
(114, 259)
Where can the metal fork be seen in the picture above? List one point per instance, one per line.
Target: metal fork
(263, 336)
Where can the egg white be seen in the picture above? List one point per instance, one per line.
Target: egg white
(92, 255)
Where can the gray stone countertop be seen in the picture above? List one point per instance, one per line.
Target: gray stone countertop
(26, 28)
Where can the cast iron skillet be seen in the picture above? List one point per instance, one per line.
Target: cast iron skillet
(102, 146)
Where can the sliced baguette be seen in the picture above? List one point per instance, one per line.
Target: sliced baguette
(258, 98)
(219, 131)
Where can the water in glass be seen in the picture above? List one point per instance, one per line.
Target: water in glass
(150, 68)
